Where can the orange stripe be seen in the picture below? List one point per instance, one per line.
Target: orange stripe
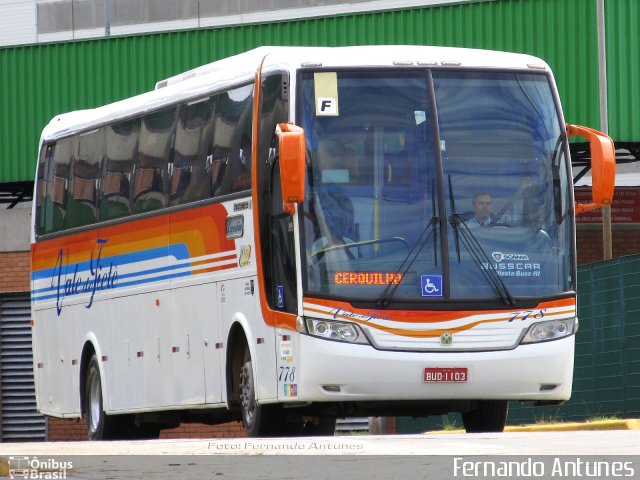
(437, 332)
(201, 229)
(433, 316)
(232, 256)
(416, 333)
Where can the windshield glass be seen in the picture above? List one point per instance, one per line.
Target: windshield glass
(372, 191)
(506, 179)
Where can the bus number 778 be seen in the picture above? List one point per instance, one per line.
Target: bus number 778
(537, 315)
(287, 374)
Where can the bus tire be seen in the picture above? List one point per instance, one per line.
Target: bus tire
(258, 420)
(100, 425)
(487, 416)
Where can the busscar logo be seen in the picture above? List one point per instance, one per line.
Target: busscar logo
(499, 256)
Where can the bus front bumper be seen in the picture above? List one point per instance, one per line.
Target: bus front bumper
(340, 372)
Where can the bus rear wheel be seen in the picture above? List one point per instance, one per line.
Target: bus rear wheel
(487, 416)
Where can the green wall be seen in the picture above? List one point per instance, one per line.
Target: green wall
(39, 81)
(623, 68)
(607, 362)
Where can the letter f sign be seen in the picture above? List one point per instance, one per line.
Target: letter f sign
(327, 106)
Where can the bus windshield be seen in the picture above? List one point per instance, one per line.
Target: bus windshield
(391, 152)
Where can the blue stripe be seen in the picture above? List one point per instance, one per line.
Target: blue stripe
(179, 251)
(118, 286)
(51, 292)
(128, 275)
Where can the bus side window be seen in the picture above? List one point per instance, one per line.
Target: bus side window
(121, 151)
(276, 226)
(84, 176)
(192, 160)
(150, 191)
(55, 199)
(41, 205)
(232, 140)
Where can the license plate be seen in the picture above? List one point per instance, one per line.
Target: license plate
(445, 375)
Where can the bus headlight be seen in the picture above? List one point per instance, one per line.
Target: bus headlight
(338, 331)
(549, 330)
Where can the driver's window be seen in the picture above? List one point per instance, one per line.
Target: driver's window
(282, 248)
(276, 226)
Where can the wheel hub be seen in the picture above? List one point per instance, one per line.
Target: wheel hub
(247, 396)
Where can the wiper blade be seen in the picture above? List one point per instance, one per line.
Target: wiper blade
(452, 204)
(390, 289)
(481, 258)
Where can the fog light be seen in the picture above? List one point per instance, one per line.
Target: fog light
(550, 330)
(331, 388)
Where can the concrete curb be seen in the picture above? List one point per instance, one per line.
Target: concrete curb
(4, 466)
(565, 427)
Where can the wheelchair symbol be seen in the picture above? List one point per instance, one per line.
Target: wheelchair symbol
(280, 296)
(431, 285)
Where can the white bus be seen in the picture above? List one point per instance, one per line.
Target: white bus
(289, 235)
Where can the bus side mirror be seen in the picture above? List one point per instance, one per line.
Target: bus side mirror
(293, 164)
(603, 167)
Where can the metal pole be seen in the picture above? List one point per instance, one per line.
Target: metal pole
(107, 18)
(73, 29)
(607, 241)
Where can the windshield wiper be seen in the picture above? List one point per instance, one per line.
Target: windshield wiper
(456, 235)
(390, 289)
(481, 258)
(461, 229)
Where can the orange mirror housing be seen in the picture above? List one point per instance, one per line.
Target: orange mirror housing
(293, 164)
(603, 167)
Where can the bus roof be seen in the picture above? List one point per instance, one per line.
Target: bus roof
(242, 67)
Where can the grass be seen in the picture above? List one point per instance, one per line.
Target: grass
(551, 419)
(602, 418)
(548, 420)
(449, 423)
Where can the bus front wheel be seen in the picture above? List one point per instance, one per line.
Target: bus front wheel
(101, 426)
(487, 416)
(259, 420)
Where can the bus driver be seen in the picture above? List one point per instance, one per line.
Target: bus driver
(482, 205)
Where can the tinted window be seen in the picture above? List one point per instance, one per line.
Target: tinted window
(371, 194)
(55, 200)
(501, 136)
(41, 205)
(276, 228)
(154, 148)
(231, 155)
(192, 161)
(167, 157)
(121, 152)
(84, 175)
